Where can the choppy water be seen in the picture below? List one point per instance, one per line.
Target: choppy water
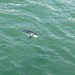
(53, 53)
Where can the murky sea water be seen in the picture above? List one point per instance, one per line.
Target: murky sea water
(53, 53)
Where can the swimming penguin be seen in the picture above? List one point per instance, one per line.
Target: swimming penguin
(30, 34)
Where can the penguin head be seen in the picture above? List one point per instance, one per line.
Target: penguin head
(35, 35)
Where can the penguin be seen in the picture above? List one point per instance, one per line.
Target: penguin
(30, 34)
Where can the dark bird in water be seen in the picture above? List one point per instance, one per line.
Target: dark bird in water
(30, 34)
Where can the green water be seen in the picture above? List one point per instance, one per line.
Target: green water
(53, 53)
